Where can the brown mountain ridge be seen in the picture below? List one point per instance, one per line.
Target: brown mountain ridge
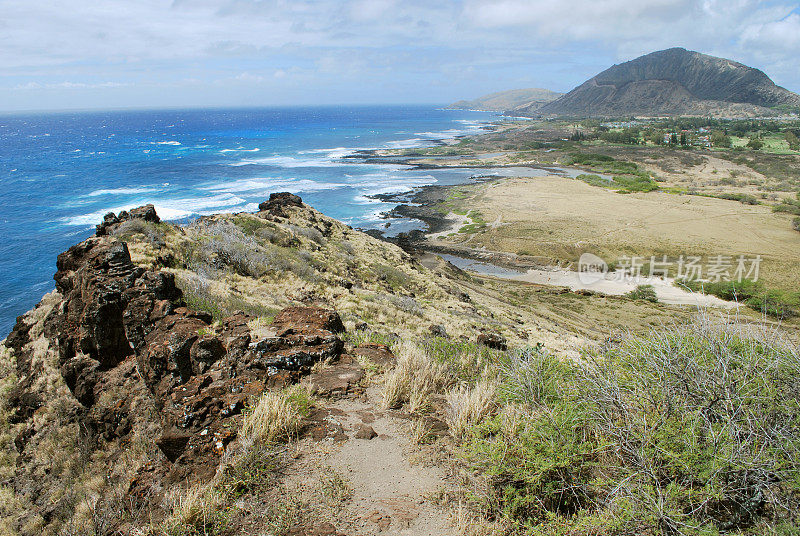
(675, 81)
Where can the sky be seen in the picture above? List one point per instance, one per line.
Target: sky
(86, 54)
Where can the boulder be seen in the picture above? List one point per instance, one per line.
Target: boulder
(308, 320)
(493, 340)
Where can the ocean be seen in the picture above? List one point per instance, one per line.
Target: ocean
(61, 172)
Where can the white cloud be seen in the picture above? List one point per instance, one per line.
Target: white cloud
(67, 85)
(416, 42)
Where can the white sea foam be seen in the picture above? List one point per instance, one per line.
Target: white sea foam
(120, 191)
(169, 209)
(288, 162)
(240, 150)
(260, 185)
(405, 144)
(170, 142)
(334, 152)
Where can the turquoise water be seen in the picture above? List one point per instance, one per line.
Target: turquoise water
(60, 173)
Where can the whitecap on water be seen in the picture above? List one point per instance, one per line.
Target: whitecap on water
(168, 209)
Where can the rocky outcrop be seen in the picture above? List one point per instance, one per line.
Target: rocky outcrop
(672, 82)
(145, 213)
(139, 363)
(278, 201)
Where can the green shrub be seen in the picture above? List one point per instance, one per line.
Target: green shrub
(796, 224)
(532, 376)
(692, 429)
(643, 292)
(726, 290)
(636, 183)
(394, 277)
(775, 303)
(772, 302)
(744, 199)
(788, 207)
(594, 180)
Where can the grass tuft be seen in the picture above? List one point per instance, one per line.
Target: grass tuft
(277, 415)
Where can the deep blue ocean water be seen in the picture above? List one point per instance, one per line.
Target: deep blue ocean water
(60, 173)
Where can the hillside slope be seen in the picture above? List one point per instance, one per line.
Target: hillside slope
(530, 99)
(673, 82)
(130, 381)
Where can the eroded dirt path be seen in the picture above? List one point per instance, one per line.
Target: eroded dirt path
(390, 495)
(391, 492)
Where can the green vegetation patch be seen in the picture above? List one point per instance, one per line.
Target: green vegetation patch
(643, 292)
(691, 429)
(628, 177)
(777, 303)
(477, 223)
(594, 180)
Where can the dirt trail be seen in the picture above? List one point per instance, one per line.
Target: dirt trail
(390, 496)
(369, 448)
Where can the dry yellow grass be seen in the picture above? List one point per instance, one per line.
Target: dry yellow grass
(558, 219)
(415, 377)
(467, 406)
(190, 509)
(276, 416)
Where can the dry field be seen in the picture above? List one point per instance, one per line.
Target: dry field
(559, 219)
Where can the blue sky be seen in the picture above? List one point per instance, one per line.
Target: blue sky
(67, 54)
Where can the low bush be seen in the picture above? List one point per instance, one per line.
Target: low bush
(727, 290)
(154, 233)
(691, 429)
(745, 199)
(788, 207)
(776, 303)
(198, 296)
(407, 304)
(643, 292)
(225, 245)
(394, 277)
(594, 180)
(796, 224)
(772, 302)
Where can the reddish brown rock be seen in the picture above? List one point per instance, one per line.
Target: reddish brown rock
(110, 220)
(278, 202)
(365, 431)
(493, 340)
(342, 380)
(375, 353)
(308, 320)
(135, 357)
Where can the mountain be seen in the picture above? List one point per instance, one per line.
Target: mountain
(531, 99)
(673, 82)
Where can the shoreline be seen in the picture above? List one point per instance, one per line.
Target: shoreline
(419, 205)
